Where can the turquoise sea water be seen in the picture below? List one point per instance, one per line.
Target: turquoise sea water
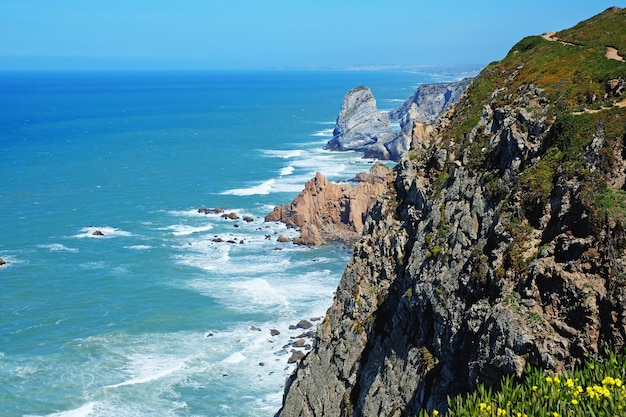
(153, 318)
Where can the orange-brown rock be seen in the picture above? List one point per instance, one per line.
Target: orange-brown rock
(326, 211)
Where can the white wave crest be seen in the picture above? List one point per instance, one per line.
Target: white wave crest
(146, 368)
(185, 230)
(260, 189)
(282, 154)
(106, 232)
(288, 170)
(58, 247)
(236, 357)
(82, 411)
(325, 133)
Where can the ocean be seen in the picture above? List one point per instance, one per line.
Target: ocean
(118, 297)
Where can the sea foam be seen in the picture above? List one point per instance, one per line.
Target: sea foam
(107, 232)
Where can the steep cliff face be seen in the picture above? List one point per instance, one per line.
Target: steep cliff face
(428, 103)
(501, 244)
(360, 126)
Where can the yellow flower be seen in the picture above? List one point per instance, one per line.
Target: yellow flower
(569, 383)
(555, 414)
(535, 387)
(618, 382)
(501, 412)
(549, 379)
(557, 380)
(608, 381)
(435, 413)
(574, 401)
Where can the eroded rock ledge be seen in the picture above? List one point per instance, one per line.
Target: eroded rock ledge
(325, 211)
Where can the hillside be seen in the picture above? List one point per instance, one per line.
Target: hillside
(501, 243)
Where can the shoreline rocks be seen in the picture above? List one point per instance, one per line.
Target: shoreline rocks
(326, 211)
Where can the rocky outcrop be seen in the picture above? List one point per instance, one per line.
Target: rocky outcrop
(428, 103)
(360, 126)
(501, 244)
(420, 112)
(325, 211)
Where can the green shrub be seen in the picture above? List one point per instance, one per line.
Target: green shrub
(598, 389)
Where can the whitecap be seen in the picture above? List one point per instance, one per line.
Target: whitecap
(260, 189)
(139, 247)
(326, 133)
(83, 411)
(288, 170)
(185, 230)
(236, 357)
(57, 247)
(107, 232)
(208, 258)
(259, 292)
(282, 153)
(147, 368)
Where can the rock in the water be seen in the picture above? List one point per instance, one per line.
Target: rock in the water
(326, 211)
(299, 343)
(283, 239)
(304, 324)
(296, 356)
(255, 328)
(248, 219)
(205, 210)
(230, 216)
(97, 232)
(2, 262)
(360, 126)
(274, 332)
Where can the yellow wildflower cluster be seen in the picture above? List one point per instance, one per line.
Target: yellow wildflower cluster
(597, 389)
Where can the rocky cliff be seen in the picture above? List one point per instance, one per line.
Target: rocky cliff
(360, 126)
(428, 103)
(325, 211)
(501, 243)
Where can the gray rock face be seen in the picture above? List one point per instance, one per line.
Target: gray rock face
(428, 103)
(463, 275)
(360, 126)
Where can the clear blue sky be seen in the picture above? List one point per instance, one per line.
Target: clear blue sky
(254, 34)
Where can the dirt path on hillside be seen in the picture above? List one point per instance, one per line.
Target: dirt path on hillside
(551, 36)
(612, 53)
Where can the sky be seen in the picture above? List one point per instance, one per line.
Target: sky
(272, 34)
